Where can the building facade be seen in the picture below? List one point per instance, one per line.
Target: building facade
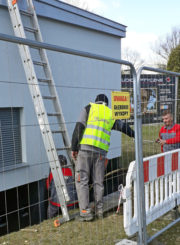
(23, 158)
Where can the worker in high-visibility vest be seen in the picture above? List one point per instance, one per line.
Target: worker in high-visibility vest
(90, 144)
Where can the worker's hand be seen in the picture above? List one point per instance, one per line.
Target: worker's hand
(158, 140)
(74, 154)
(162, 142)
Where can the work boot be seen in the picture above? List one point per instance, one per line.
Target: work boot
(85, 215)
(99, 213)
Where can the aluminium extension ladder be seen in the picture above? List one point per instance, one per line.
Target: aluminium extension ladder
(30, 68)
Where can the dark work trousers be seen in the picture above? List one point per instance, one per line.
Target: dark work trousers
(89, 162)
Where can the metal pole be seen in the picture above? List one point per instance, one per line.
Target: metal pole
(164, 229)
(159, 71)
(176, 99)
(52, 47)
(141, 215)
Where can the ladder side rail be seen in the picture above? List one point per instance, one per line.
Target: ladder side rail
(40, 110)
(51, 85)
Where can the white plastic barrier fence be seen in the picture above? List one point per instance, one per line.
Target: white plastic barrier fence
(162, 188)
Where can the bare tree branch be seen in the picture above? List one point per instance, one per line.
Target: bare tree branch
(133, 57)
(164, 46)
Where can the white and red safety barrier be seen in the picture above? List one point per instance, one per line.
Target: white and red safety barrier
(162, 188)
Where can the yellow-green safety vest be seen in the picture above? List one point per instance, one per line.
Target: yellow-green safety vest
(99, 125)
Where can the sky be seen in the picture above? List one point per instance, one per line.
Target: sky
(146, 21)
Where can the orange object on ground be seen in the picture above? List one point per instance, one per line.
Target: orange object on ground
(57, 223)
(14, 2)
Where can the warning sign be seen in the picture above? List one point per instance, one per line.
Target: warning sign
(120, 105)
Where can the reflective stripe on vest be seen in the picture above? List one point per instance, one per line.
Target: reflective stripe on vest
(99, 125)
(99, 128)
(96, 138)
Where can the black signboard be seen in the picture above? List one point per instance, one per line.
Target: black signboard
(158, 93)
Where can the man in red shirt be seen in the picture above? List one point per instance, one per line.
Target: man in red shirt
(169, 139)
(54, 205)
(169, 134)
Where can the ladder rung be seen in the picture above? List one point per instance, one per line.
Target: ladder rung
(30, 29)
(63, 148)
(58, 131)
(44, 80)
(37, 48)
(39, 63)
(49, 97)
(23, 12)
(53, 114)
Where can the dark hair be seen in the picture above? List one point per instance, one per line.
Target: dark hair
(166, 112)
(101, 98)
(62, 160)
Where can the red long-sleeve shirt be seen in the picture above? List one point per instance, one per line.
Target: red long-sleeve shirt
(172, 137)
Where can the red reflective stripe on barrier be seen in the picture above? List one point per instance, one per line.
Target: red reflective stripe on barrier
(146, 171)
(160, 166)
(174, 165)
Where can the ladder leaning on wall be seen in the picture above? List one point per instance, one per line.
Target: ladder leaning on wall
(30, 68)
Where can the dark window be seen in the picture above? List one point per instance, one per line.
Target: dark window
(10, 137)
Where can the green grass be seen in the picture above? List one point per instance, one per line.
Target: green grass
(107, 231)
(102, 232)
